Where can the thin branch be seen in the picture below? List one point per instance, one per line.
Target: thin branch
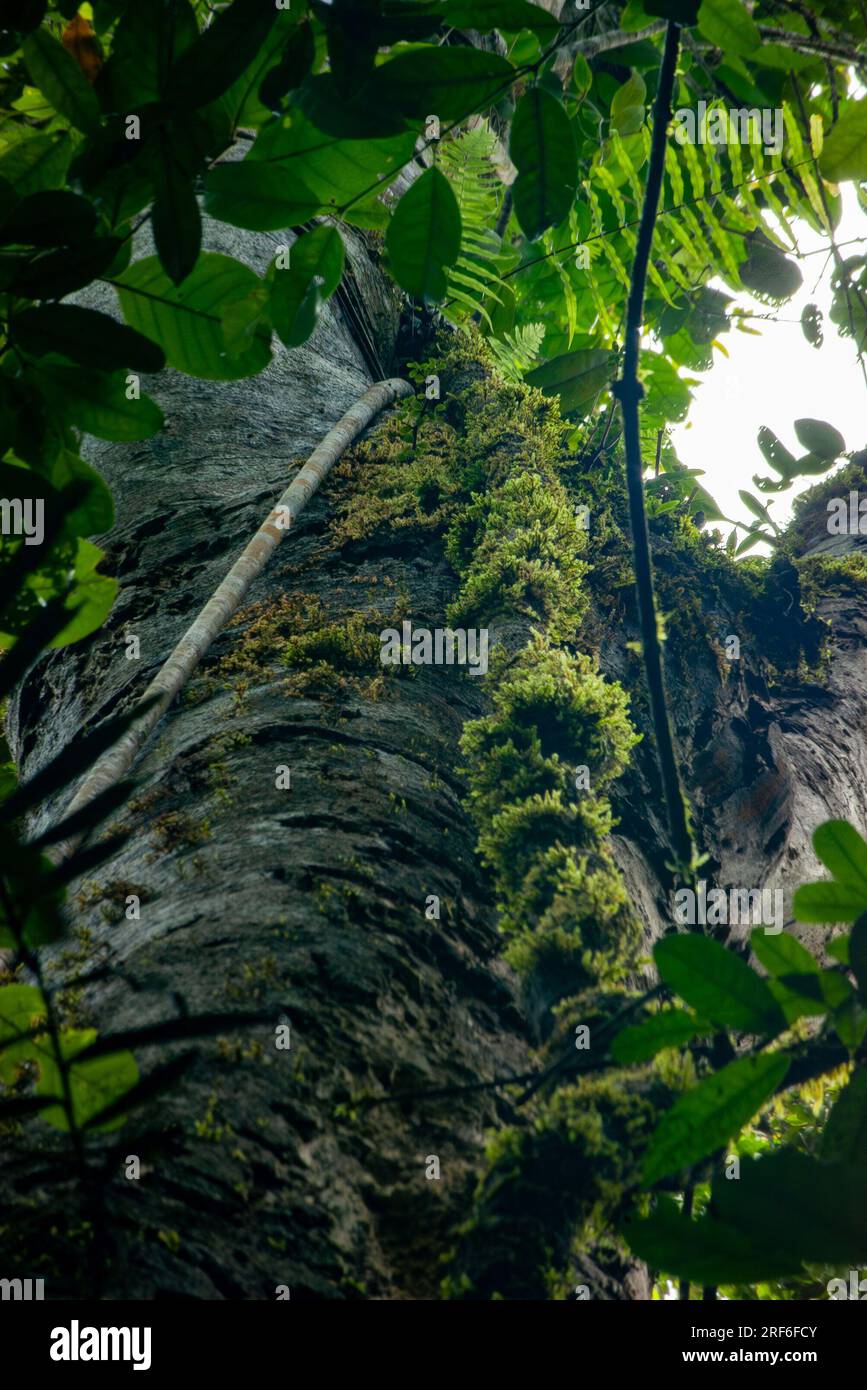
(630, 392)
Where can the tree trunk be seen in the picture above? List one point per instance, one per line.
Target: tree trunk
(261, 1169)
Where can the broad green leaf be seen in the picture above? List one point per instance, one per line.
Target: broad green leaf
(838, 948)
(453, 82)
(845, 1137)
(424, 236)
(542, 148)
(727, 24)
(91, 598)
(85, 336)
(148, 34)
(61, 80)
(21, 1009)
(627, 105)
(811, 324)
(582, 76)
(825, 442)
(57, 273)
(185, 319)
(508, 15)
(176, 221)
(259, 197)
(37, 163)
(767, 271)
(782, 954)
(844, 152)
(717, 984)
(99, 403)
(704, 1251)
(843, 851)
(784, 1210)
(753, 505)
(48, 219)
(712, 1113)
(299, 290)
(776, 454)
(669, 1028)
(95, 514)
(576, 377)
(828, 902)
(335, 174)
(94, 1083)
(220, 55)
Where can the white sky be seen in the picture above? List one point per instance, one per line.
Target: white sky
(774, 380)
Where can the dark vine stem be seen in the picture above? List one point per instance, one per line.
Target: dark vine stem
(630, 392)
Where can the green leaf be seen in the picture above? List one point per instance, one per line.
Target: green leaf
(712, 1113)
(542, 148)
(704, 1251)
(220, 55)
(845, 1136)
(95, 513)
(718, 984)
(453, 82)
(148, 33)
(299, 291)
(811, 325)
(185, 319)
(842, 851)
(576, 377)
(61, 80)
(176, 222)
(49, 219)
(838, 948)
(331, 172)
(85, 336)
(57, 273)
(94, 1083)
(828, 902)
(36, 163)
(822, 440)
(21, 1009)
(782, 954)
(293, 67)
(424, 236)
(582, 76)
(768, 272)
(98, 403)
(91, 598)
(259, 197)
(753, 505)
(776, 454)
(627, 105)
(670, 1028)
(844, 152)
(728, 25)
(507, 15)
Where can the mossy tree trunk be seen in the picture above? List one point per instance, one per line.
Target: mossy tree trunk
(312, 901)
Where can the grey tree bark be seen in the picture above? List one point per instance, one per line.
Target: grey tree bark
(310, 902)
